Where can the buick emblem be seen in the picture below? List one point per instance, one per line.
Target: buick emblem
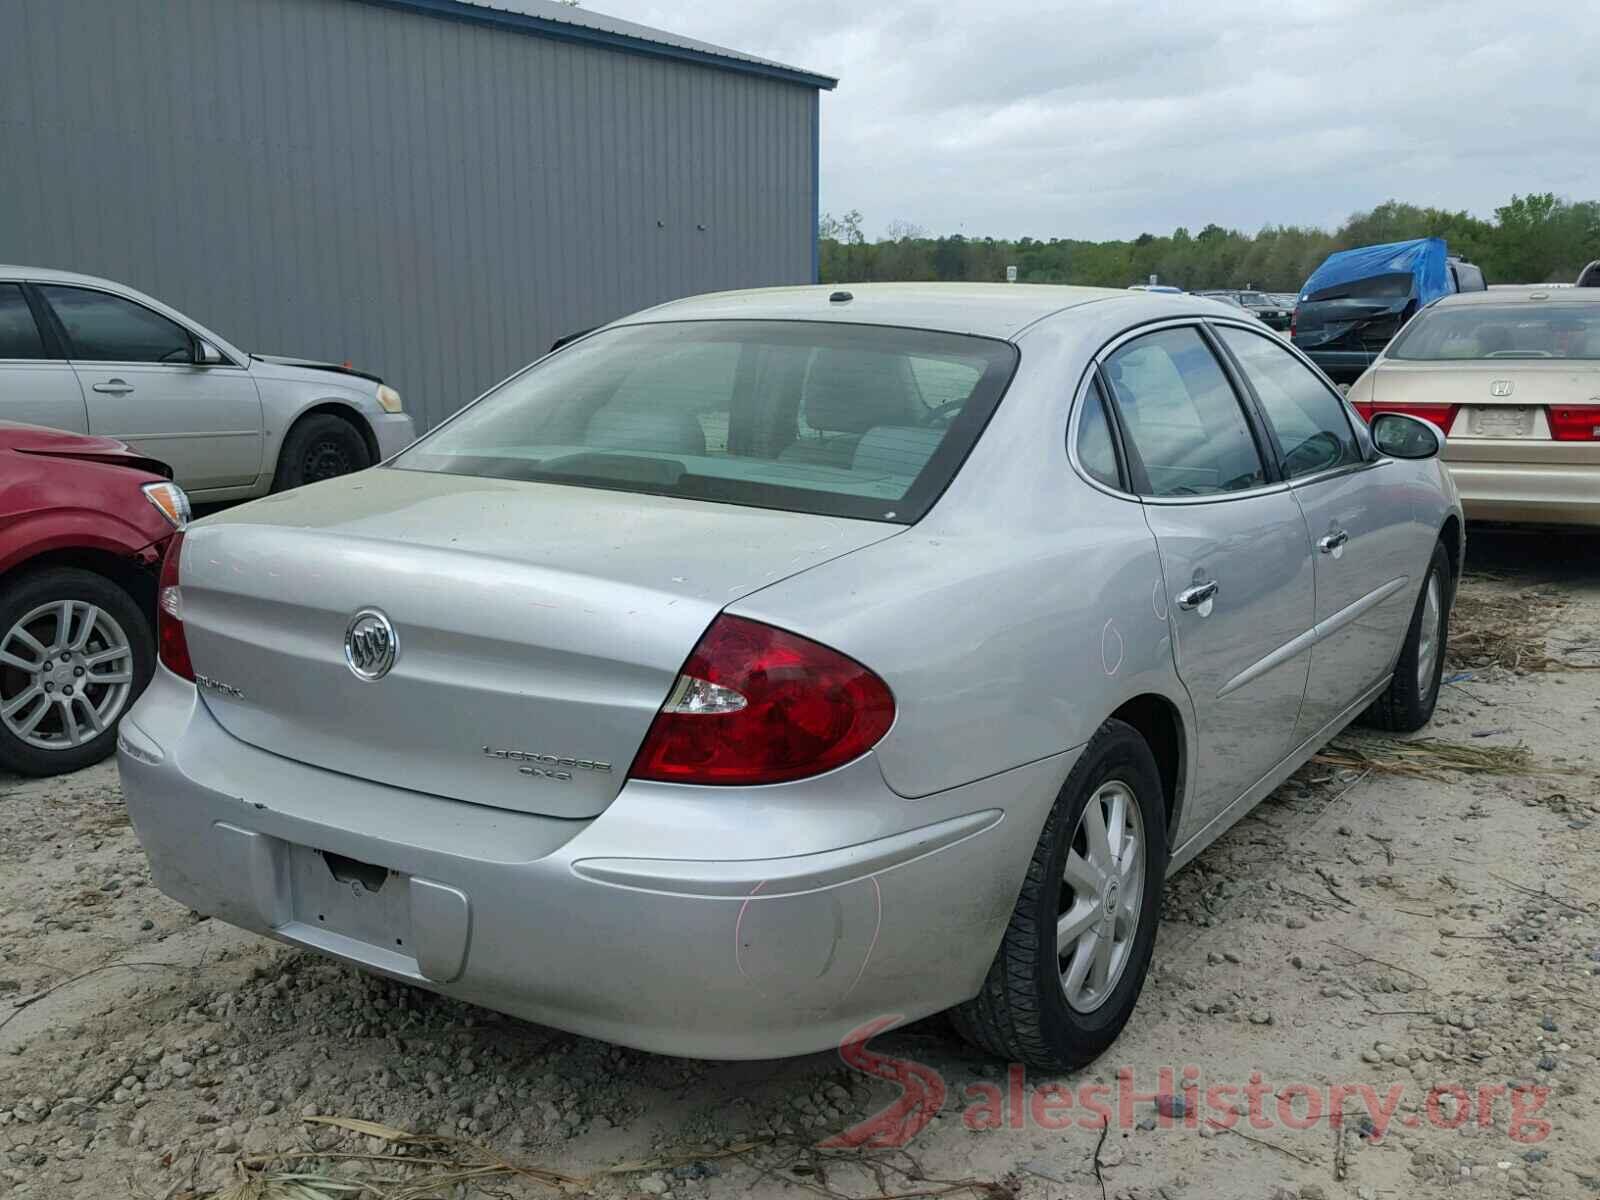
(370, 644)
(1501, 387)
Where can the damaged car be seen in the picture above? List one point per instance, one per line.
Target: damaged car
(768, 665)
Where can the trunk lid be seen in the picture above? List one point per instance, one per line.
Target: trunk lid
(539, 626)
(1525, 381)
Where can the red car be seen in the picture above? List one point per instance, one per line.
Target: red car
(83, 524)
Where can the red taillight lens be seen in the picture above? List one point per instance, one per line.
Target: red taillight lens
(1442, 415)
(755, 704)
(1579, 423)
(173, 646)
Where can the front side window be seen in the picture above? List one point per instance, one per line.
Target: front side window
(846, 420)
(1535, 329)
(1310, 423)
(105, 328)
(1181, 417)
(19, 335)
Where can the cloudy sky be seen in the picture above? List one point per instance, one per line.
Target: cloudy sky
(1103, 119)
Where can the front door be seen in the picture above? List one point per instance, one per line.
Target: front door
(141, 384)
(1366, 545)
(1234, 555)
(37, 385)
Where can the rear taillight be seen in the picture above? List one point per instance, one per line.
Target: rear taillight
(1442, 415)
(1293, 318)
(1578, 423)
(173, 646)
(755, 704)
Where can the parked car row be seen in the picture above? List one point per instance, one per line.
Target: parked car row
(1263, 305)
(821, 653)
(91, 356)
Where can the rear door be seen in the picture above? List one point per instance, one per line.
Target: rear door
(1234, 554)
(37, 384)
(1368, 549)
(141, 384)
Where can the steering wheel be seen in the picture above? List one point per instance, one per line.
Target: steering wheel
(945, 413)
(1321, 449)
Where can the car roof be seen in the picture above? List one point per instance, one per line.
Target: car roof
(50, 275)
(1511, 293)
(997, 310)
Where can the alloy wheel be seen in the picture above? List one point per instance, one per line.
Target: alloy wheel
(1428, 634)
(66, 672)
(1102, 896)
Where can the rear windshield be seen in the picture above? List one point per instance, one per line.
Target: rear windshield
(1378, 287)
(1531, 330)
(842, 420)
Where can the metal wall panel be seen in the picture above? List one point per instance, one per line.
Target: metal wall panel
(430, 199)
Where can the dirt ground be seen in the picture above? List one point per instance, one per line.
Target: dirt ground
(1439, 929)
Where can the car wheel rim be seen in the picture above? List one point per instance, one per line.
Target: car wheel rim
(1428, 634)
(326, 460)
(66, 671)
(1102, 896)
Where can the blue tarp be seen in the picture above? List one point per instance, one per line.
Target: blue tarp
(1421, 258)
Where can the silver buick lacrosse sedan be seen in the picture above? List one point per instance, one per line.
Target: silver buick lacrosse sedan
(768, 664)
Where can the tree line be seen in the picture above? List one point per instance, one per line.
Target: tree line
(1537, 238)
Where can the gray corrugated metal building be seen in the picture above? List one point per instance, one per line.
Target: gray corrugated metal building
(431, 189)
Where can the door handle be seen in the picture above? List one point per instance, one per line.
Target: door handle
(114, 387)
(1333, 542)
(1199, 596)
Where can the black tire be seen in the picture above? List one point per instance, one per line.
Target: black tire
(1407, 703)
(28, 592)
(1021, 1014)
(320, 446)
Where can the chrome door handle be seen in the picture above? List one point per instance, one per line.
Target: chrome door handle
(1333, 542)
(1199, 594)
(114, 387)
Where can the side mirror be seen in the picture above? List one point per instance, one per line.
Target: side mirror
(1400, 436)
(207, 355)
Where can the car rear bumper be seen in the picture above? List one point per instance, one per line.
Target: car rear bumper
(717, 923)
(1546, 493)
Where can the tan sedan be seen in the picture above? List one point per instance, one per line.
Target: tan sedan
(1512, 376)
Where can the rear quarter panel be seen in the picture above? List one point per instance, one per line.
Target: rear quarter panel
(1016, 616)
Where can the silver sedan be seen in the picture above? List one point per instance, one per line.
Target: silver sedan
(90, 355)
(766, 664)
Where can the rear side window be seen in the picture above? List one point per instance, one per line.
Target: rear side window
(1097, 452)
(1182, 417)
(1309, 421)
(845, 420)
(19, 335)
(105, 328)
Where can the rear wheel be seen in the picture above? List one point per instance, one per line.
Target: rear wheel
(1075, 954)
(320, 446)
(1408, 702)
(75, 652)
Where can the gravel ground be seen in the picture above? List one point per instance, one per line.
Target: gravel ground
(1404, 932)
